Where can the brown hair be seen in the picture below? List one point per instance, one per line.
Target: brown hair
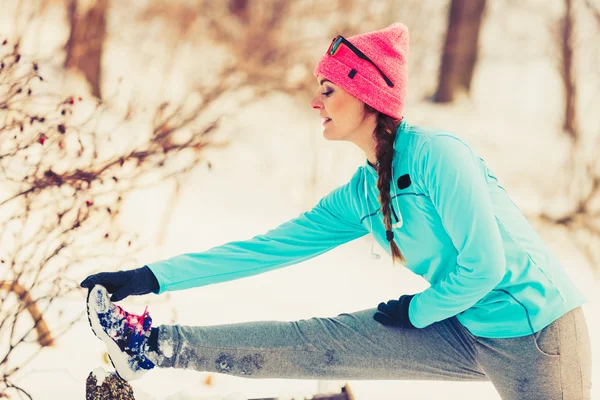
(384, 135)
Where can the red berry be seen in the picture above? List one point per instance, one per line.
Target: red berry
(71, 100)
(88, 203)
(106, 236)
(42, 139)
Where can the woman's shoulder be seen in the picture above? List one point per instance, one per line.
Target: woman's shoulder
(412, 138)
(425, 147)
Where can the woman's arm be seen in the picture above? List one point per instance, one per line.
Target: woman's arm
(332, 222)
(458, 190)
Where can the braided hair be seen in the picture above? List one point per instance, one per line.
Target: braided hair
(384, 135)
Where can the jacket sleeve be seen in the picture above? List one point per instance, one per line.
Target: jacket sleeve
(457, 187)
(332, 222)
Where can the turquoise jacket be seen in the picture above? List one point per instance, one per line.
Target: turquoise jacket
(453, 222)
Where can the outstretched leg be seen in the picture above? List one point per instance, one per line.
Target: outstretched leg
(348, 346)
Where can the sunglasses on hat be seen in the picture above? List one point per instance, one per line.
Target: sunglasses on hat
(337, 42)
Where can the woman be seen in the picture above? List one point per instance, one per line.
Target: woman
(500, 307)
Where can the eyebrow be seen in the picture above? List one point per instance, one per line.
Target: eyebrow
(324, 80)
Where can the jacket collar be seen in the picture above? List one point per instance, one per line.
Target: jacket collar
(403, 127)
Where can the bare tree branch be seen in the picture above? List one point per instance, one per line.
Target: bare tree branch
(78, 189)
(594, 10)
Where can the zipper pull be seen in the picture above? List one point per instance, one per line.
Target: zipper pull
(399, 221)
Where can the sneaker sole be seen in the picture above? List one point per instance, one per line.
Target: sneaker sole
(115, 354)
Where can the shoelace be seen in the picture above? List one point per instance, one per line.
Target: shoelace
(133, 321)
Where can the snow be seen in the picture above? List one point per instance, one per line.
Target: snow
(100, 375)
(166, 347)
(267, 176)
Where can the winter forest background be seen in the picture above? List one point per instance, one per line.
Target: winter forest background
(133, 131)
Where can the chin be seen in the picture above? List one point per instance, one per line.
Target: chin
(331, 135)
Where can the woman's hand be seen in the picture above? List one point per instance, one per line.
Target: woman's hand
(124, 283)
(395, 313)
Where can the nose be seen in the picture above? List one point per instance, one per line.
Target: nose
(316, 103)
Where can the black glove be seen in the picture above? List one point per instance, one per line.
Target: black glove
(124, 283)
(395, 313)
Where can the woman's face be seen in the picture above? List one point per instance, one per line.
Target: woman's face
(343, 114)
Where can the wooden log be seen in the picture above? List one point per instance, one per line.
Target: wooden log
(102, 385)
(345, 394)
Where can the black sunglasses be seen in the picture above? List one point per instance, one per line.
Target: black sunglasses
(339, 40)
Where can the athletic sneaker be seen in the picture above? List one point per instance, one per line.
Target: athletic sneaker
(123, 333)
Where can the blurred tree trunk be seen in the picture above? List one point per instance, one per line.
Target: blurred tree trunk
(239, 8)
(567, 72)
(460, 48)
(84, 47)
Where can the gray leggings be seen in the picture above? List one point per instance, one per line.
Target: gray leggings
(554, 363)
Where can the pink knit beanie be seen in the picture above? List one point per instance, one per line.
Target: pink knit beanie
(388, 48)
